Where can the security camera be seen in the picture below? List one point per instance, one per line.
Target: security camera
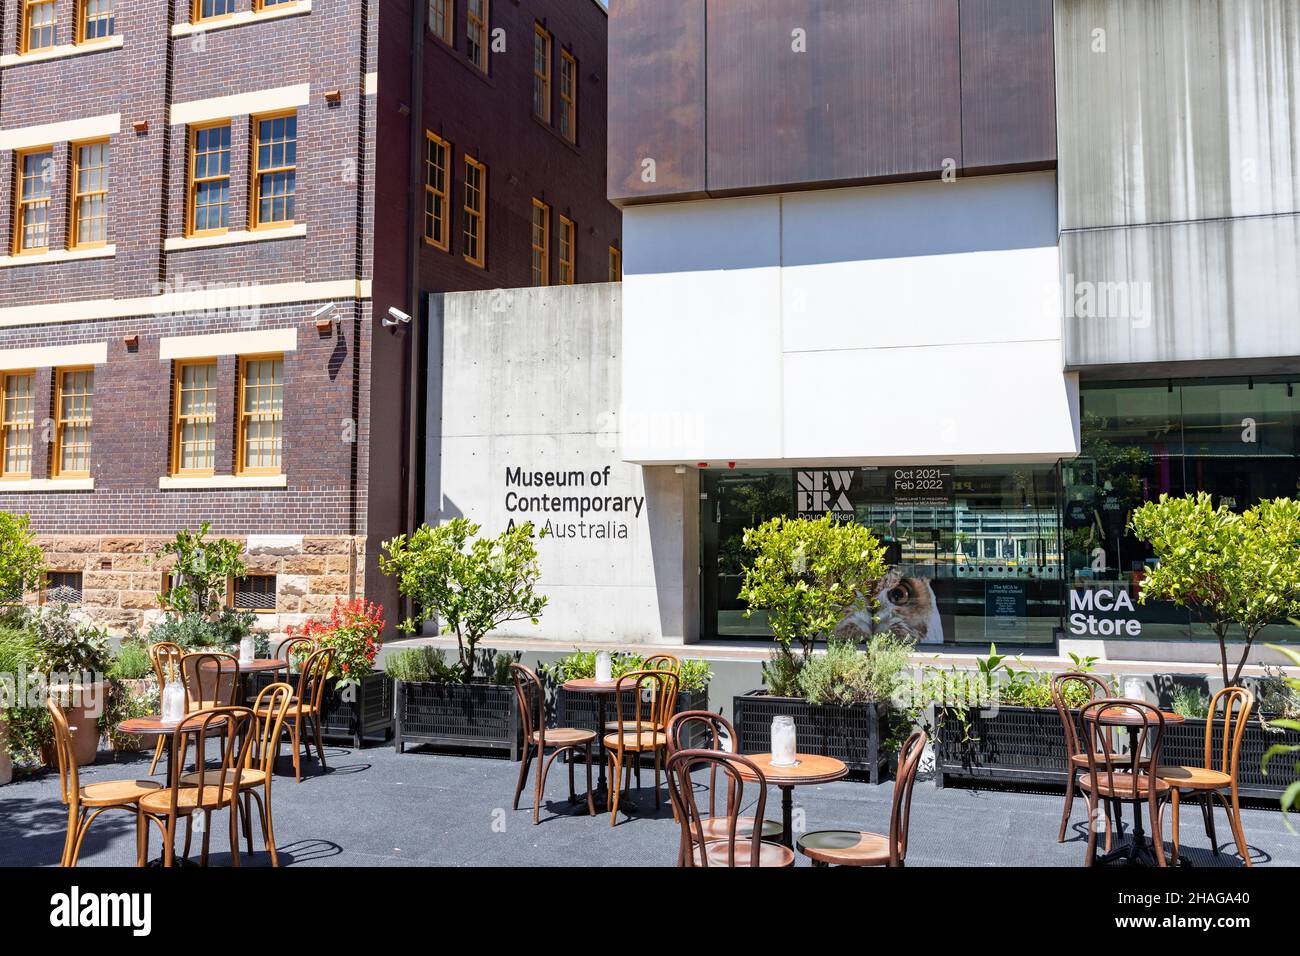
(396, 317)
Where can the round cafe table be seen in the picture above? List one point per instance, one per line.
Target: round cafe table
(1139, 852)
(602, 691)
(808, 769)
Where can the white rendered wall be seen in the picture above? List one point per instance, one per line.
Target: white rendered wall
(903, 323)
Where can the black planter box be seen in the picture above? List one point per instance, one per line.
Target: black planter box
(368, 714)
(1185, 744)
(851, 734)
(479, 715)
(1023, 744)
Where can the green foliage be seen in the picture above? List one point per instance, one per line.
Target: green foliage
(29, 729)
(1226, 568)
(471, 585)
(695, 674)
(126, 703)
(419, 665)
(845, 675)
(202, 569)
(808, 575)
(1277, 695)
(22, 565)
(66, 645)
(131, 662)
(198, 632)
(17, 648)
(1291, 796)
(500, 667)
(781, 674)
(1190, 702)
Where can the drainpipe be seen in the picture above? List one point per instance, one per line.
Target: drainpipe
(413, 225)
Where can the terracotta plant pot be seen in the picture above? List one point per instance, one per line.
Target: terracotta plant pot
(6, 765)
(83, 712)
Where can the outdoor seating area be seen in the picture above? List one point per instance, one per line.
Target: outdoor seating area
(670, 784)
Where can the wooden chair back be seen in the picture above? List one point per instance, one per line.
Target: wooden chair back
(211, 678)
(313, 678)
(294, 651)
(1146, 735)
(670, 663)
(718, 733)
(69, 781)
(682, 793)
(531, 718)
(229, 724)
(1237, 704)
(272, 704)
(653, 698)
(900, 815)
(166, 658)
(1097, 689)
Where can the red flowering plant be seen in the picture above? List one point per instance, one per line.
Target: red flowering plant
(352, 633)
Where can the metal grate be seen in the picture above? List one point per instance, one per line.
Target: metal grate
(64, 587)
(255, 593)
(851, 734)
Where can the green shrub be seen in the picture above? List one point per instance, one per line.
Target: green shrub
(695, 674)
(420, 665)
(66, 645)
(846, 675)
(132, 662)
(199, 632)
(781, 674)
(1191, 702)
(22, 565)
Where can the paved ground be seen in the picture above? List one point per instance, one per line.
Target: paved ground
(376, 808)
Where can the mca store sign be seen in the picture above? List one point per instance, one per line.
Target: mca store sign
(1103, 612)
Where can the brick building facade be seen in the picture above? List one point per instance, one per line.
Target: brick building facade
(212, 348)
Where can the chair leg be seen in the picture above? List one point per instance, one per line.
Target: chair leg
(1173, 805)
(297, 750)
(657, 804)
(1107, 808)
(141, 838)
(591, 800)
(573, 791)
(234, 830)
(320, 748)
(169, 841)
(523, 771)
(1090, 854)
(248, 820)
(615, 785)
(189, 832)
(1069, 804)
(542, 767)
(207, 836)
(1157, 826)
(1234, 823)
(268, 830)
(70, 838)
(1207, 809)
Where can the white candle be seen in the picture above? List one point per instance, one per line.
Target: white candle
(604, 668)
(247, 651)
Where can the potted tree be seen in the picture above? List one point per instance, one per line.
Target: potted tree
(73, 657)
(809, 576)
(22, 566)
(469, 585)
(132, 692)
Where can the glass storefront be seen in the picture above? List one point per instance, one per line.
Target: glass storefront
(1013, 553)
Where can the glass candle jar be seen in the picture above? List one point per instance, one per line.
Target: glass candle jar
(784, 741)
(604, 668)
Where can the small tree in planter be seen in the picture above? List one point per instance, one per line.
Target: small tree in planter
(22, 565)
(809, 575)
(470, 585)
(1226, 568)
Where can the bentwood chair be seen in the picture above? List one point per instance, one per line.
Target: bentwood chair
(655, 662)
(305, 708)
(166, 659)
(258, 767)
(1216, 775)
(211, 679)
(704, 730)
(855, 848)
(293, 651)
(209, 789)
(1096, 689)
(653, 695)
(730, 845)
(537, 737)
(1128, 777)
(85, 804)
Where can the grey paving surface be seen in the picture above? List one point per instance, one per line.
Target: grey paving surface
(377, 808)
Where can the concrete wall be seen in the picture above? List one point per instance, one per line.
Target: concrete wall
(910, 322)
(1179, 179)
(530, 380)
